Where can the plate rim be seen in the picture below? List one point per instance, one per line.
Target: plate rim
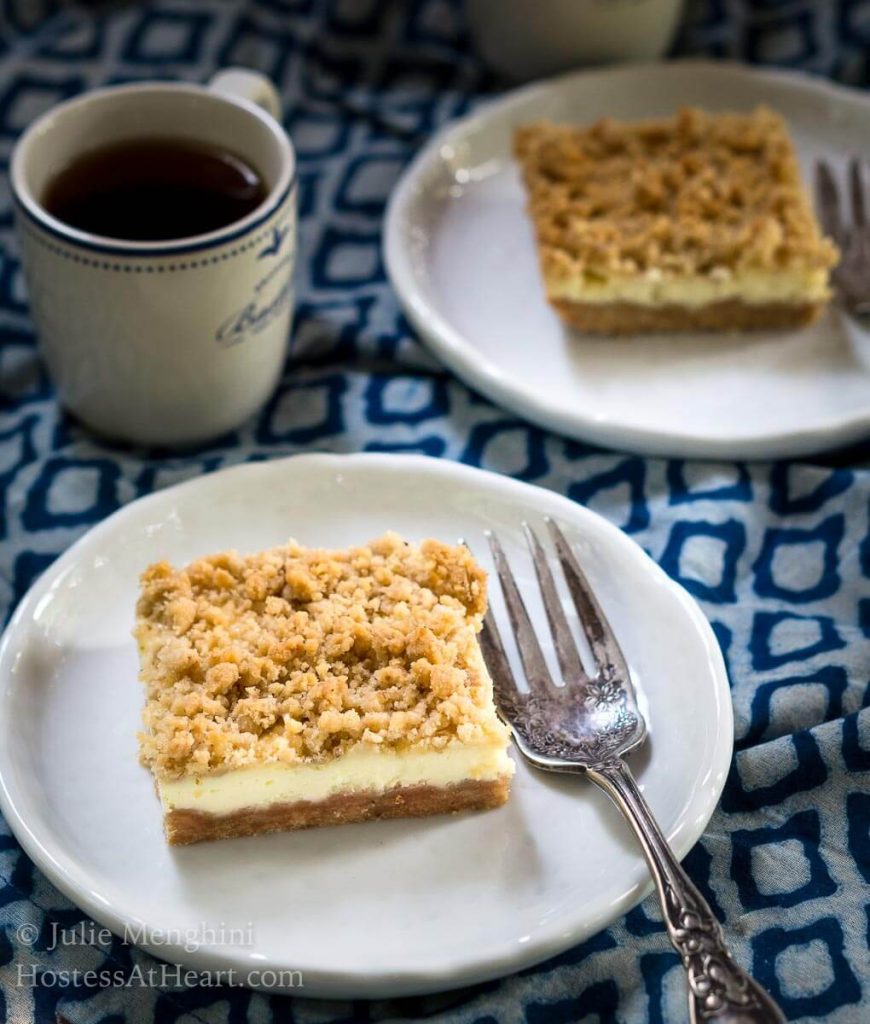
(70, 875)
(483, 374)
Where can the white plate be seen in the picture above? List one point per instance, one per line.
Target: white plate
(461, 255)
(377, 909)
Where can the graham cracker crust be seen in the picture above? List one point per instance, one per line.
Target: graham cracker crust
(727, 315)
(188, 826)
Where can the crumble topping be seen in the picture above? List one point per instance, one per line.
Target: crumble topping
(298, 654)
(694, 194)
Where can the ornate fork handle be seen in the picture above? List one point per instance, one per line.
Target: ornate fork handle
(720, 991)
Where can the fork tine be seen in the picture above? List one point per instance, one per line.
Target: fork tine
(566, 650)
(828, 200)
(504, 686)
(856, 187)
(531, 655)
(606, 651)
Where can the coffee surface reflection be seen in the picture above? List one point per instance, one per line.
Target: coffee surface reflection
(154, 189)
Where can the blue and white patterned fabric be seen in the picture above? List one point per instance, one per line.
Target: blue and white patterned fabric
(777, 555)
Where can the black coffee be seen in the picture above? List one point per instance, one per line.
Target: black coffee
(150, 190)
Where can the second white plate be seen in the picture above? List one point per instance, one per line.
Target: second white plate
(379, 909)
(461, 255)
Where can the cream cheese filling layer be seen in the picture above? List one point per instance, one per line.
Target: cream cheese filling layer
(656, 289)
(362, 769)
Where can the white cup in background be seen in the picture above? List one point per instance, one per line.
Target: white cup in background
(170, 342)
(525, 39)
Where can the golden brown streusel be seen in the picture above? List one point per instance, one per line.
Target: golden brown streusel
(299, 654)
(694, 194)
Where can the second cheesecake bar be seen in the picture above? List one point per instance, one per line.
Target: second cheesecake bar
(699, 221)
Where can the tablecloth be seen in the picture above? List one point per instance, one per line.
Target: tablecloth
(778, 555)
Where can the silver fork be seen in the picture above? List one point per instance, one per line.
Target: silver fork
(851, 276)
(586, 726)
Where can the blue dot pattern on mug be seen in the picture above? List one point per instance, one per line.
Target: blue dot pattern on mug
(778, 556)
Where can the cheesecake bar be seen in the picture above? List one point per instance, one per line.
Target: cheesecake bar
(699, 221)
(298, 687)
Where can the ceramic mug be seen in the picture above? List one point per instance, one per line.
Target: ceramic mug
(524, 39)
(170, 342)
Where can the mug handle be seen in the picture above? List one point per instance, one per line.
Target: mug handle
(242, 83)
